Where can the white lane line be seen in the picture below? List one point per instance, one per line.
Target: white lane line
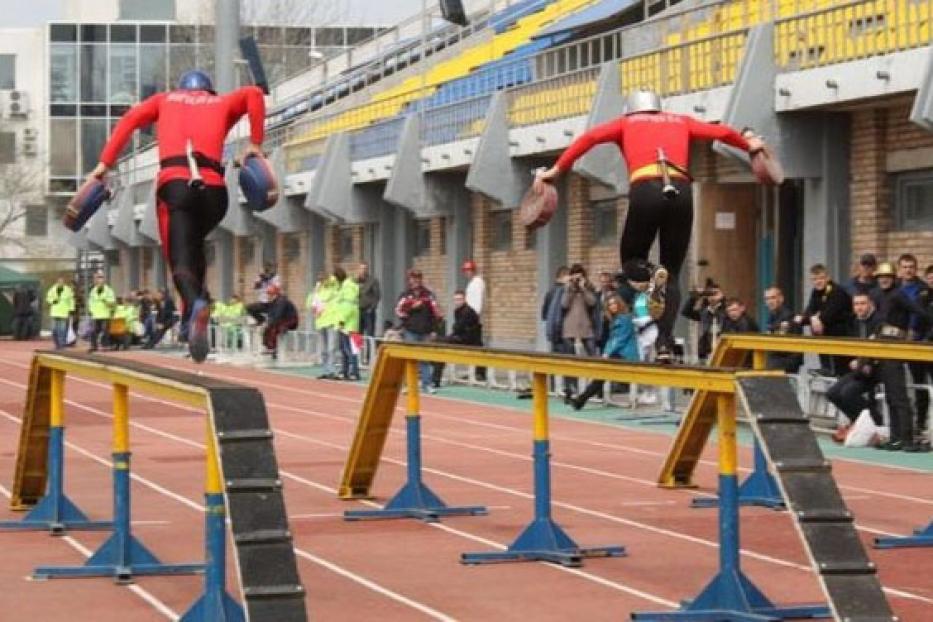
(330, 490)
(429, 611)
(144, 594)
(595, 513)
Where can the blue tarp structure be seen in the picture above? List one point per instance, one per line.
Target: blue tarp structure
(600, 12)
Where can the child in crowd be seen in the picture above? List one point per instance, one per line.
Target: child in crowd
(622, 343)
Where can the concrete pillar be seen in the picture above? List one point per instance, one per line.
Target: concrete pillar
(826, 228)
(226, 38)
(551, 247)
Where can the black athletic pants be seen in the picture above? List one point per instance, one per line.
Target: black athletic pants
(921, 374)
(895, 394)
(651, 215)
(852, 394)
(186, 216)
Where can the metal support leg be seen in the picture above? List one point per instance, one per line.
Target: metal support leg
(215, 604)
(922, 537)
(55, 512)
(759, 488)
(414, 499)
(122, 555)
(543, 539)
(731, 596)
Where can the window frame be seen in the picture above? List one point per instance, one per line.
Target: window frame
(29, 220)
(11, 86)
(600, 235)
(900, 185)
(500, 231)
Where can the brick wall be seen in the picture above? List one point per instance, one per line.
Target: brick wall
(291, 252)
(434, 265)
(876, 132)
(511, 316)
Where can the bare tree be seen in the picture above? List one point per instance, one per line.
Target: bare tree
(293, 12)
(20, 186)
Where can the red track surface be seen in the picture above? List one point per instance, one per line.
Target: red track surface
(604, 493)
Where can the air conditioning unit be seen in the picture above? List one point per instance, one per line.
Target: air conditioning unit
(14, 103)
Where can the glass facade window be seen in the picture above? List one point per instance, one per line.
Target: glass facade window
(153, 69)
(93, 136)
(181, 58)
(346, 245)
(7, 71)
(183, 34)
(299, 36)
(358, 35)
(123, 33)
(63, 148)
(94, 33)
(63, 73)
(269, 35)
(329, 37)
(93, 72)
(152, 34)
(63, 32)
(122, 74)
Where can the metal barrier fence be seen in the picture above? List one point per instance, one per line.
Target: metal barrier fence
(304, 156)
(376, 140)
(560, 97)
(688, 67)
(457, 121)
(852, 31)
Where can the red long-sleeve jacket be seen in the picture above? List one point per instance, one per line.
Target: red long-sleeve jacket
(640, 135)
(197, 115)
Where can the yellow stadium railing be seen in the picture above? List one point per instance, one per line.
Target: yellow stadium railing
(569, 95)
(688, 67)
(852, 31)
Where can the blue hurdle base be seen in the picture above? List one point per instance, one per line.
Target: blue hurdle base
(922, 537)
(215, 606)
(732, 597)
(113, 560)
(543, 540)
(415, 500)
(55, 515)
(759, 488)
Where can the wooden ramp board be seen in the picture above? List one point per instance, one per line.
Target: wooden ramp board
(269, 580)
(695, 426)
(29, 479)
(373, 427)
(820, 515)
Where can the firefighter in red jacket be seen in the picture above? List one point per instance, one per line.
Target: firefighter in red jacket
(193, 122)
(656, 147)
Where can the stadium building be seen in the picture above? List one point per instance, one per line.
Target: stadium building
(415, 151)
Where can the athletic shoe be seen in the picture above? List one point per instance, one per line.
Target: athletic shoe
(198, 344)
(917, 448)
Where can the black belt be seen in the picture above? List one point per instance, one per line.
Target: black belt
(200, 159)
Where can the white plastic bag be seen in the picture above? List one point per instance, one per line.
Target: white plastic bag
(71, 338)
(863, 432)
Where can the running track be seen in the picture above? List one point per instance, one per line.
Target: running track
(604, 493)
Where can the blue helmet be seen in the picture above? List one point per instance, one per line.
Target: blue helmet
(195, 80)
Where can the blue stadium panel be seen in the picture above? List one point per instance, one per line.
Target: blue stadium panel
(515, 68)
(376, 140)
(447, 124)
(506, 18)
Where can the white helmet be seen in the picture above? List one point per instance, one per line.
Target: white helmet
(643, 100)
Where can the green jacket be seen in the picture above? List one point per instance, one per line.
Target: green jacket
(219, 310)
(61, 304)
(326, 294)
(348, 305)
(100, 304)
